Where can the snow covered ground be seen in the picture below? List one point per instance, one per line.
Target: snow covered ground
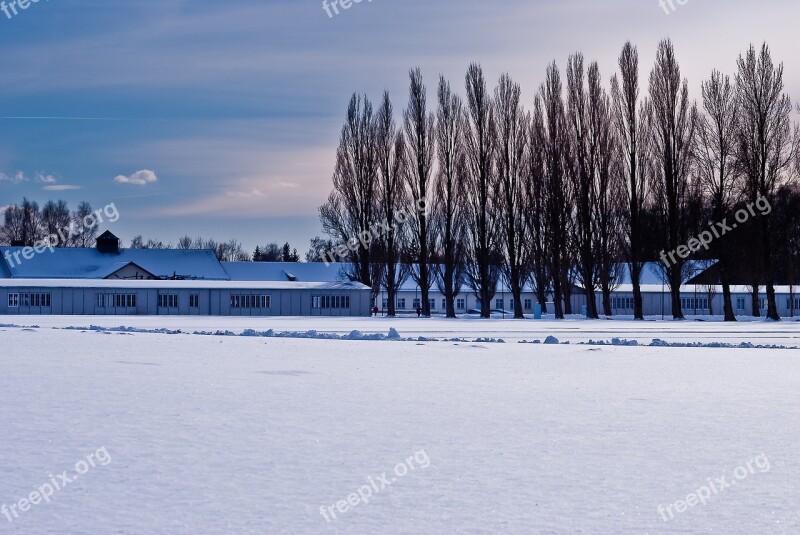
(235, 434)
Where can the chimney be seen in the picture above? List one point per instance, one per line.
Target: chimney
(107, 243)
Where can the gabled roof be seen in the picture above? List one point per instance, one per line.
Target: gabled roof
(75, 263)
(118, 266)
(107, 235)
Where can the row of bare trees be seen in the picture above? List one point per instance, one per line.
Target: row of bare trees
(26, 223)
(560, 193)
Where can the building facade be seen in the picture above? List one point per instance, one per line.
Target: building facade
(106, 280)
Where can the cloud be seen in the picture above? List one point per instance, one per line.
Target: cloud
(16, 178)
(46, 179)
(61, 187)
(252, 193)
(139, 178)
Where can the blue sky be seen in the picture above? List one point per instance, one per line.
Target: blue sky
(236, 106)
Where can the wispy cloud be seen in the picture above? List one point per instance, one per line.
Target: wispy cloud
(139, 178)
(46, 179)
(252, 193)
(16, 178)
(61, 187)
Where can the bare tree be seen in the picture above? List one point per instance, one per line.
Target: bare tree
(716, 166)
(558, 206)
(448, 211)
(392, 196)
(610, 192)
(675, 127)
(537, 224)
(351, 205)
(13, 232)
(483, 271)
(420, 147)
(587, 112)
(55, 219)
(633, 122)
(511, 124)
(766, 145)
(85, 234)
(318, 248)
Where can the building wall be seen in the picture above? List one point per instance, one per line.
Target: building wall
(654, 304)
(211, 302)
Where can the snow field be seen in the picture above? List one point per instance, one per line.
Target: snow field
(216, 434)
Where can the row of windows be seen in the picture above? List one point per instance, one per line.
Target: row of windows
(168, 301)
(116, 300)
(694, 303)
(28, 300)
(762, 303)
(330, 301)
(250, 301)
(622, 303)
(460, 303)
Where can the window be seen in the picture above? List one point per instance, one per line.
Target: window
(498, 304)
(319, 301)
(416, 304)
(622, 303)
(478, 303)
(528, 304)
(168, 301)
(740, 303)
(194, 301)
(460, 304)
(698, 304)
(444, 304)
(763, 303)
(401, 303)
(432, 303)
(16, 300)
(511, 304)
(384, 303)
(258, 301)
(796, 303)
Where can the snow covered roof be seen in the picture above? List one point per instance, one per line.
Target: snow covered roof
(85, 263)
(701, 289)
(653, 272)
(179, 284)
(284, 271)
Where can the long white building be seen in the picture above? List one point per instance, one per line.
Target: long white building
(107, 280)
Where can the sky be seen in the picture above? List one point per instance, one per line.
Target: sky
(222, 118)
